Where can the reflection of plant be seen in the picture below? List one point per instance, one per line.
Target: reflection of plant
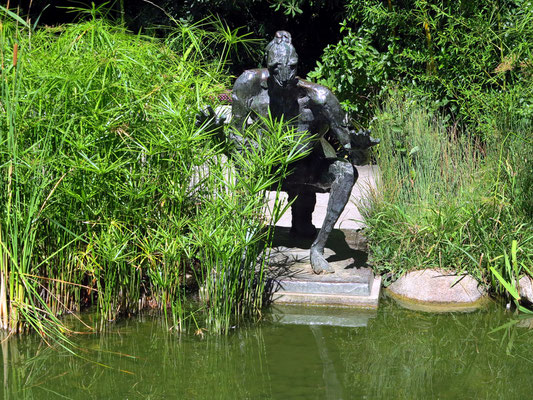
(293, 8)
(122, 359)
(454, 355)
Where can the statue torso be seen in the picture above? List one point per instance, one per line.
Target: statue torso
(300, 104)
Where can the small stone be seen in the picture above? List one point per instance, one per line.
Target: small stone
(525, 288)
(355, 239)
(434, 287)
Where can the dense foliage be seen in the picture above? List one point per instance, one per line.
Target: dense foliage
(313, 24)
(110, 195)
(105, 199)
(448, 88)
(444, 202)
(463, 57)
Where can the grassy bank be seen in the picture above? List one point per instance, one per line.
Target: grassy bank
(449, 200)
(110, 196)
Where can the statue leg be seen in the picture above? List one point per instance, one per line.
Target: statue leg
(344, 176)
(302, 213)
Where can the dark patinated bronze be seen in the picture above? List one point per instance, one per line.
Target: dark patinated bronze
(315, 112)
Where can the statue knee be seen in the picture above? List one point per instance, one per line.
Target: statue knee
(344, 171)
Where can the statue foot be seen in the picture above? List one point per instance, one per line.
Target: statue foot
(319, 263)
(305, 231)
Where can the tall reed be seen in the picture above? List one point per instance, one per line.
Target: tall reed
(110, 195)
(27, 183)
(444, 199)
(234, 232)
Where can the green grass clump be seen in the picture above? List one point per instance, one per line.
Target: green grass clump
(110, 195)
(445, 200)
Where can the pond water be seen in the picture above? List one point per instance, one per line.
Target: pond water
(399, 354)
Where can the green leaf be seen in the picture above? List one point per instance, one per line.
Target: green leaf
(14, 16)
(514, 250)
(524, 310)
(510, 289)
(414, 150)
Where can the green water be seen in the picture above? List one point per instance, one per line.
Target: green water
(400, 354)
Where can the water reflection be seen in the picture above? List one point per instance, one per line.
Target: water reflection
(331, 380)
(399, 354)
(407, 354)
(139, 359)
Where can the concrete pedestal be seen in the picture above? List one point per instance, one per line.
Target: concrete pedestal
(291, 279)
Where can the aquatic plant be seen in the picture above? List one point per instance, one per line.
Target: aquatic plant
(446, 199)
(110, 196)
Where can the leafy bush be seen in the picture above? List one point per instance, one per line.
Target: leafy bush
(355, 71)
(465, 57)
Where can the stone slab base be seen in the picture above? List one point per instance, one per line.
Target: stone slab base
(334, 298)
(291, 279)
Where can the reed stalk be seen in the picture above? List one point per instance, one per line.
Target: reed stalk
(110, 196)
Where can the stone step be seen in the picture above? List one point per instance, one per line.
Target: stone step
(369, 301)
(291, 280)
(347, 282)
(324, 287)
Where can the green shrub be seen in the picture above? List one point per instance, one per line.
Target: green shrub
(443, 200)
(464, 57)
(355, 71)
(110, 195)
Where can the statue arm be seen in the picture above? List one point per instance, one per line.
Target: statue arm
(355, 144)
(335, 117)
(239, 109)
(240, 113)
(245, 88)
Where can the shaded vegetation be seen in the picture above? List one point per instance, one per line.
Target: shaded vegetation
(313, 24)
(462, 57)
(105, 199)
(447, 88)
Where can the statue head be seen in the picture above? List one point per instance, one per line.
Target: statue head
(282, 60)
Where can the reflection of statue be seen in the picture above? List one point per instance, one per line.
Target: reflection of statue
(314, 110)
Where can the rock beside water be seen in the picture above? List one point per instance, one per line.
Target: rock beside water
(437, 290)
(525, 287)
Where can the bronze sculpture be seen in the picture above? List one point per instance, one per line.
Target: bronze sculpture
(314, 110)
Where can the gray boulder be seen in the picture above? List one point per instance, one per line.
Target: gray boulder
(437, 290)
(525, 288)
